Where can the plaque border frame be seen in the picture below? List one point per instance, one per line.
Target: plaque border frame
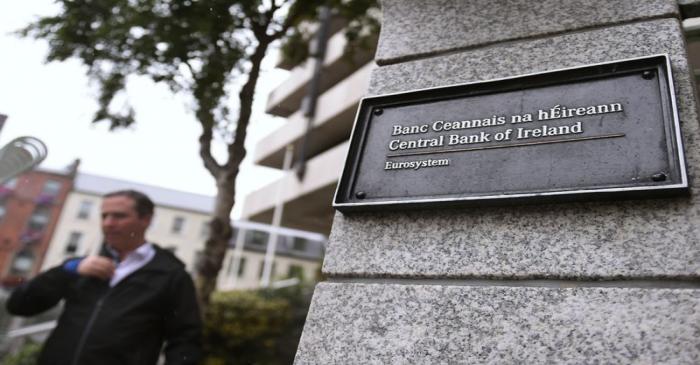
(357, 143)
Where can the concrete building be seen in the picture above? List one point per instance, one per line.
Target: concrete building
(691, 27)
(180, 224)
(344, 81)
(298, 255)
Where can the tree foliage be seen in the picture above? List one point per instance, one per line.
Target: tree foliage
(195, 47)
(361, 31)
(199, 48)
(28, 354)
(255, 327)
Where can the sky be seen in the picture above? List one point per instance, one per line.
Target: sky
(55, 102)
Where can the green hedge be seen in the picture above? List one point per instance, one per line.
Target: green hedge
(255, 327)
(27, 355)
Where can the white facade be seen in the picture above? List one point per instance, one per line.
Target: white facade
(251, 270)
(178, 228)
(180, 225)
(290, 261)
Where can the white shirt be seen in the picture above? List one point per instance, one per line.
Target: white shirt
(135, 260)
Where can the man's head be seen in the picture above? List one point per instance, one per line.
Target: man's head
(126, 214)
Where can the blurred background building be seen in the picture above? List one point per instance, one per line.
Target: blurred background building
(180, 224)
(298, 255)
(30, 206)
(344, 79)
(47, 217)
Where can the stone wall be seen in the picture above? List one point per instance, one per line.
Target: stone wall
(587, 282)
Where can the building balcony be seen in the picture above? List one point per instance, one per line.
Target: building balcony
(5, 192)
(31, 236)
(309, 199)
(337, 24)
(332, 125)
(286, 98)
(45, 199)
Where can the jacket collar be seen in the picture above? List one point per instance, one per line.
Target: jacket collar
(164, 260)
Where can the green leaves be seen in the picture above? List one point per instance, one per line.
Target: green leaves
(111, 84)
(295, 48)
(28, 354)
(193, 46)
(260, 327)
(361, 20)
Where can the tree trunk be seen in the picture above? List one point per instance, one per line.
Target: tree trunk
(220, 226)
(220, 233)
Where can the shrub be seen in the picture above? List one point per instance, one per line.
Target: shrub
(27, 355)
(255, 327)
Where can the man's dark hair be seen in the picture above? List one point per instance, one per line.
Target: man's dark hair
(142, 203)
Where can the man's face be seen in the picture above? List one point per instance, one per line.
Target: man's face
(121, 225)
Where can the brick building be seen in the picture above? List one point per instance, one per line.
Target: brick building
(30, 205)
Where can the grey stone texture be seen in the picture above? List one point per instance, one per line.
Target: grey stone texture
(415, 28)
(416, 324)
(655, 238)
(363, 318)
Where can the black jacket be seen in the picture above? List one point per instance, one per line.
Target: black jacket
(122, 325)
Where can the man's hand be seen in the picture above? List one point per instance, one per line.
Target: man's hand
(97, 266)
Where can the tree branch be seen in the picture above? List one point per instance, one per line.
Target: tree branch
(205, 152)
(236, 149)
(189, 66)
(273, 8)
(290, 20)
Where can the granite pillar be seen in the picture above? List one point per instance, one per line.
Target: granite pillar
(587, 282)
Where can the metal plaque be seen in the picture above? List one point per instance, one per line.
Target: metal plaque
(606, 130)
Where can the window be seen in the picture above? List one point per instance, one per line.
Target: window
(272, 269)
(231, 262)
(73, 243)
(178, 225)
(11, 184)
(229, 266)
(241, 267)
(204, 231)
(258, 238)
(84, 210)
(51, 187)
(299, 244)
(23, 262)
(39, 219)
(295, 271)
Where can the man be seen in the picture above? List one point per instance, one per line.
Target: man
(122, 305)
